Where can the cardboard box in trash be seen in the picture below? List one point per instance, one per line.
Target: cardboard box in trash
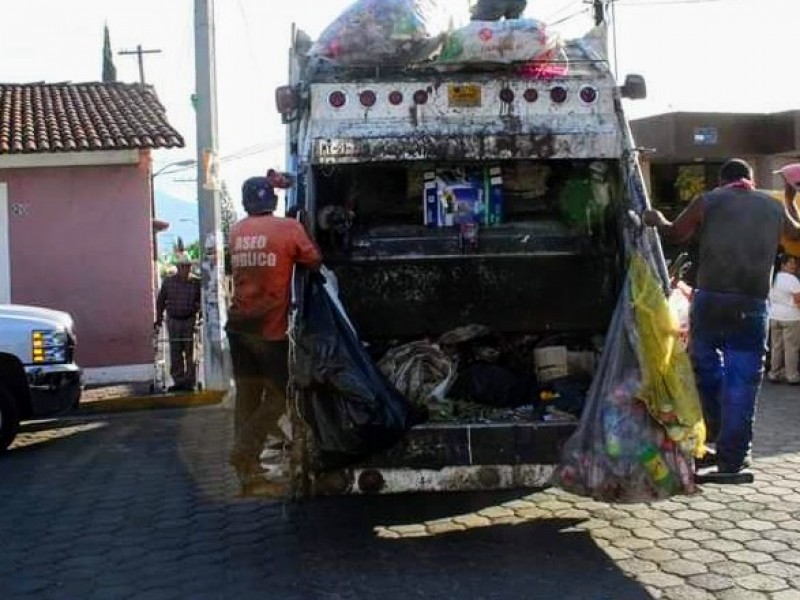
(554, 362)
(455, 197)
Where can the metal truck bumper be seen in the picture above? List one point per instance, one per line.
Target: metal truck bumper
(54, 388)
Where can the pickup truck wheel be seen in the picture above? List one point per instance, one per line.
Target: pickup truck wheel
(9, 418)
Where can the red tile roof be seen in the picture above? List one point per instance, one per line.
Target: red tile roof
(73, 117)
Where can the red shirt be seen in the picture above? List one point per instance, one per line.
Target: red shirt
(263, 250)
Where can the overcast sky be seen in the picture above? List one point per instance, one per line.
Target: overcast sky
(717, 55)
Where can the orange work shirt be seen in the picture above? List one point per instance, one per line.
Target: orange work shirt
(263, 250)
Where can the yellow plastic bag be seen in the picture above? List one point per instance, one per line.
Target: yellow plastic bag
(668, 386)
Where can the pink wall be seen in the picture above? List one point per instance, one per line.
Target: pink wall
(82, 243)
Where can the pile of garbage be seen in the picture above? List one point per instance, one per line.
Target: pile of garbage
(396, 33)
(503, 42)
(473, 374)
(376, 33)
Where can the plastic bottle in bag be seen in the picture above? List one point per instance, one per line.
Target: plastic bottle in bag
(656, 467)
(613, 428)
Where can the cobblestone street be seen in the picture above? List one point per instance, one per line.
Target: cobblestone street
(142, 505)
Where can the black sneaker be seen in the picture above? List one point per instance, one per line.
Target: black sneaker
(725, 477)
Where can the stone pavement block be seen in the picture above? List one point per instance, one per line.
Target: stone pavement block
(657, 555)
(749, 557)
(742, 594)
(732, 569)
(722, 545)
(739, 535)
(678, 545)
(762, 583)
(711, 582)
(659, 579)
(768, 546)
(779, 569)
(687, 592)
(696, 535)
(683, 567)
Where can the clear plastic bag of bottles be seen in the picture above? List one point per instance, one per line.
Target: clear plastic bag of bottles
(376, 33)
(628, 447)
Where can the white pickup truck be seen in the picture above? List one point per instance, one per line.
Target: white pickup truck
(38, 374)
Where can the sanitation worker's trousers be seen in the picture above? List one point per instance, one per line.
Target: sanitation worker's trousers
(728, 346)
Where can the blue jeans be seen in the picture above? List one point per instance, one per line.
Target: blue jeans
(728, 346)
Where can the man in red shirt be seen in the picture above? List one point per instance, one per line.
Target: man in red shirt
(263, 250)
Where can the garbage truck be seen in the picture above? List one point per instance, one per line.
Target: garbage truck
(485, 208)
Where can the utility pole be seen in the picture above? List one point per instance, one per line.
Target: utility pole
(140, 54)
(205, 102)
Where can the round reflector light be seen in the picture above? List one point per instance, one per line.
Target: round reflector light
(507, 95)
(337, 99)
(531, 95)
(420, 96)
(558, 94)
(588, 94)
(367, 98)
(396, 97)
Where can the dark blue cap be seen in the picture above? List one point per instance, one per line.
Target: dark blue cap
(258, 196)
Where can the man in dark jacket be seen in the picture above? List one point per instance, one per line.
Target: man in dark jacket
(180, 297)
(739, 230)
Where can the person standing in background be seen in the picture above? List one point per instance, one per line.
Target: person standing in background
(784, 323)
(180, 298)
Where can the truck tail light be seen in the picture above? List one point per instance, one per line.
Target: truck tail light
(286, 99)
(588, 94)
(367, 98)
(396, 97)
(531, 95)
(420, 97)
(558, 94)
(337, 99)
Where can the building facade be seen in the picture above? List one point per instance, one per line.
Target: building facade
(76, 216)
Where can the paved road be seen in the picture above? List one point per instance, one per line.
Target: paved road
(142, 505)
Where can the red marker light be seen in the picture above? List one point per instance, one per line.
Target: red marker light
(507, 95)
(558, 94)
(337, 99)
(531, 95)
(367, 98)
(588, 94)
(396, 98)
(421, 97)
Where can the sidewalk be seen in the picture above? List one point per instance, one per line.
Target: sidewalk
(137, 396)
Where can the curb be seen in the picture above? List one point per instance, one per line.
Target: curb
(159, 401)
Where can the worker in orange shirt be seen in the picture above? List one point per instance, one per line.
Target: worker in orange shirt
(263, 250)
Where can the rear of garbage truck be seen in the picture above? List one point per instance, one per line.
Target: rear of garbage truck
(478, 217)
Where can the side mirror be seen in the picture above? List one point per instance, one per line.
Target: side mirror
(634, 87)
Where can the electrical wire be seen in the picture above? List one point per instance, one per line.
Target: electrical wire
(569, 17)
(669, 2)
(564, 8)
